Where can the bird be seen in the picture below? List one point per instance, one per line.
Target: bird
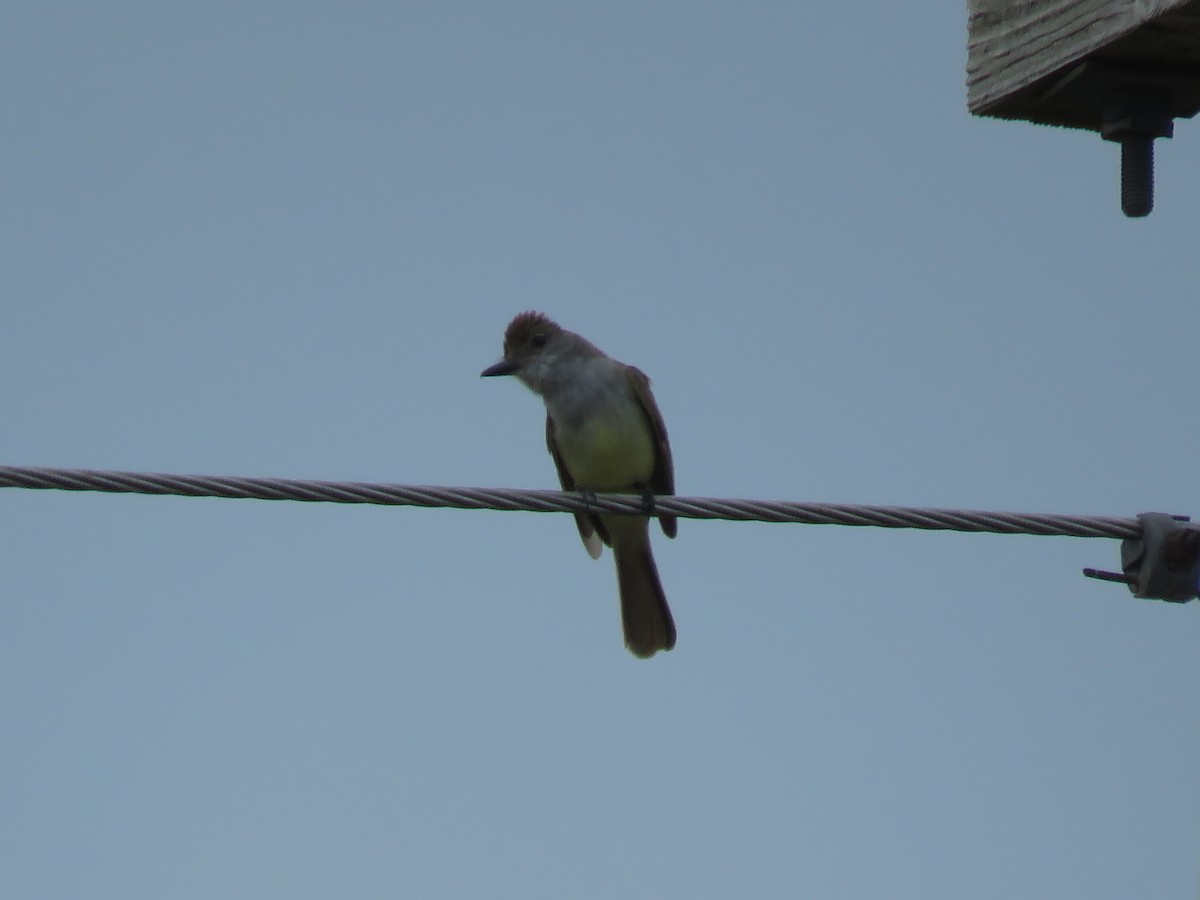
(605, 433)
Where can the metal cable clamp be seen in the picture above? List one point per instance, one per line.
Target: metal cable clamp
(1163, 563)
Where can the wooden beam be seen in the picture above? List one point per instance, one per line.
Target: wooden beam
(1056, 62)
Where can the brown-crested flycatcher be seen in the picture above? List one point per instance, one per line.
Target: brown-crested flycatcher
(605, 433)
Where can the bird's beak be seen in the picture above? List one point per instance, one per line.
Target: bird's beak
(504, 367)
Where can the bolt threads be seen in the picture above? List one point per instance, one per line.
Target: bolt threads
(1137, 175)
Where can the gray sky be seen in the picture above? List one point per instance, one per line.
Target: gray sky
(283, 239)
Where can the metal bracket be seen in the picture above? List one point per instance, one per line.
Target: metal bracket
(1162, 564)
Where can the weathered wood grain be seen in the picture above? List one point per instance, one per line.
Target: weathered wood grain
(1019, 51)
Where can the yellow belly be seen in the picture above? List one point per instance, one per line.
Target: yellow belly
(608, 453)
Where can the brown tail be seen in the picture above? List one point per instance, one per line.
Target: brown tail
(644, 611)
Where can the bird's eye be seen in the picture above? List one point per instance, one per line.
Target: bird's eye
(538, 341)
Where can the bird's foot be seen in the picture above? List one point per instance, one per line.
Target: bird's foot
(648, 502)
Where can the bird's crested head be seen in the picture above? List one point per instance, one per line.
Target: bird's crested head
(527, 334)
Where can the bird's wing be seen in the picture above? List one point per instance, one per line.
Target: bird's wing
(591, 529)
(663, 479)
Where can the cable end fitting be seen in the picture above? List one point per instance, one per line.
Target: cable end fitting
(1162, 564)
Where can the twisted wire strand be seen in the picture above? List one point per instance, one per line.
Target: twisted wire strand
(554, 501)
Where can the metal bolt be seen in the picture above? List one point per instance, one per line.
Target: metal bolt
(1135, 116)
(1137, 175)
